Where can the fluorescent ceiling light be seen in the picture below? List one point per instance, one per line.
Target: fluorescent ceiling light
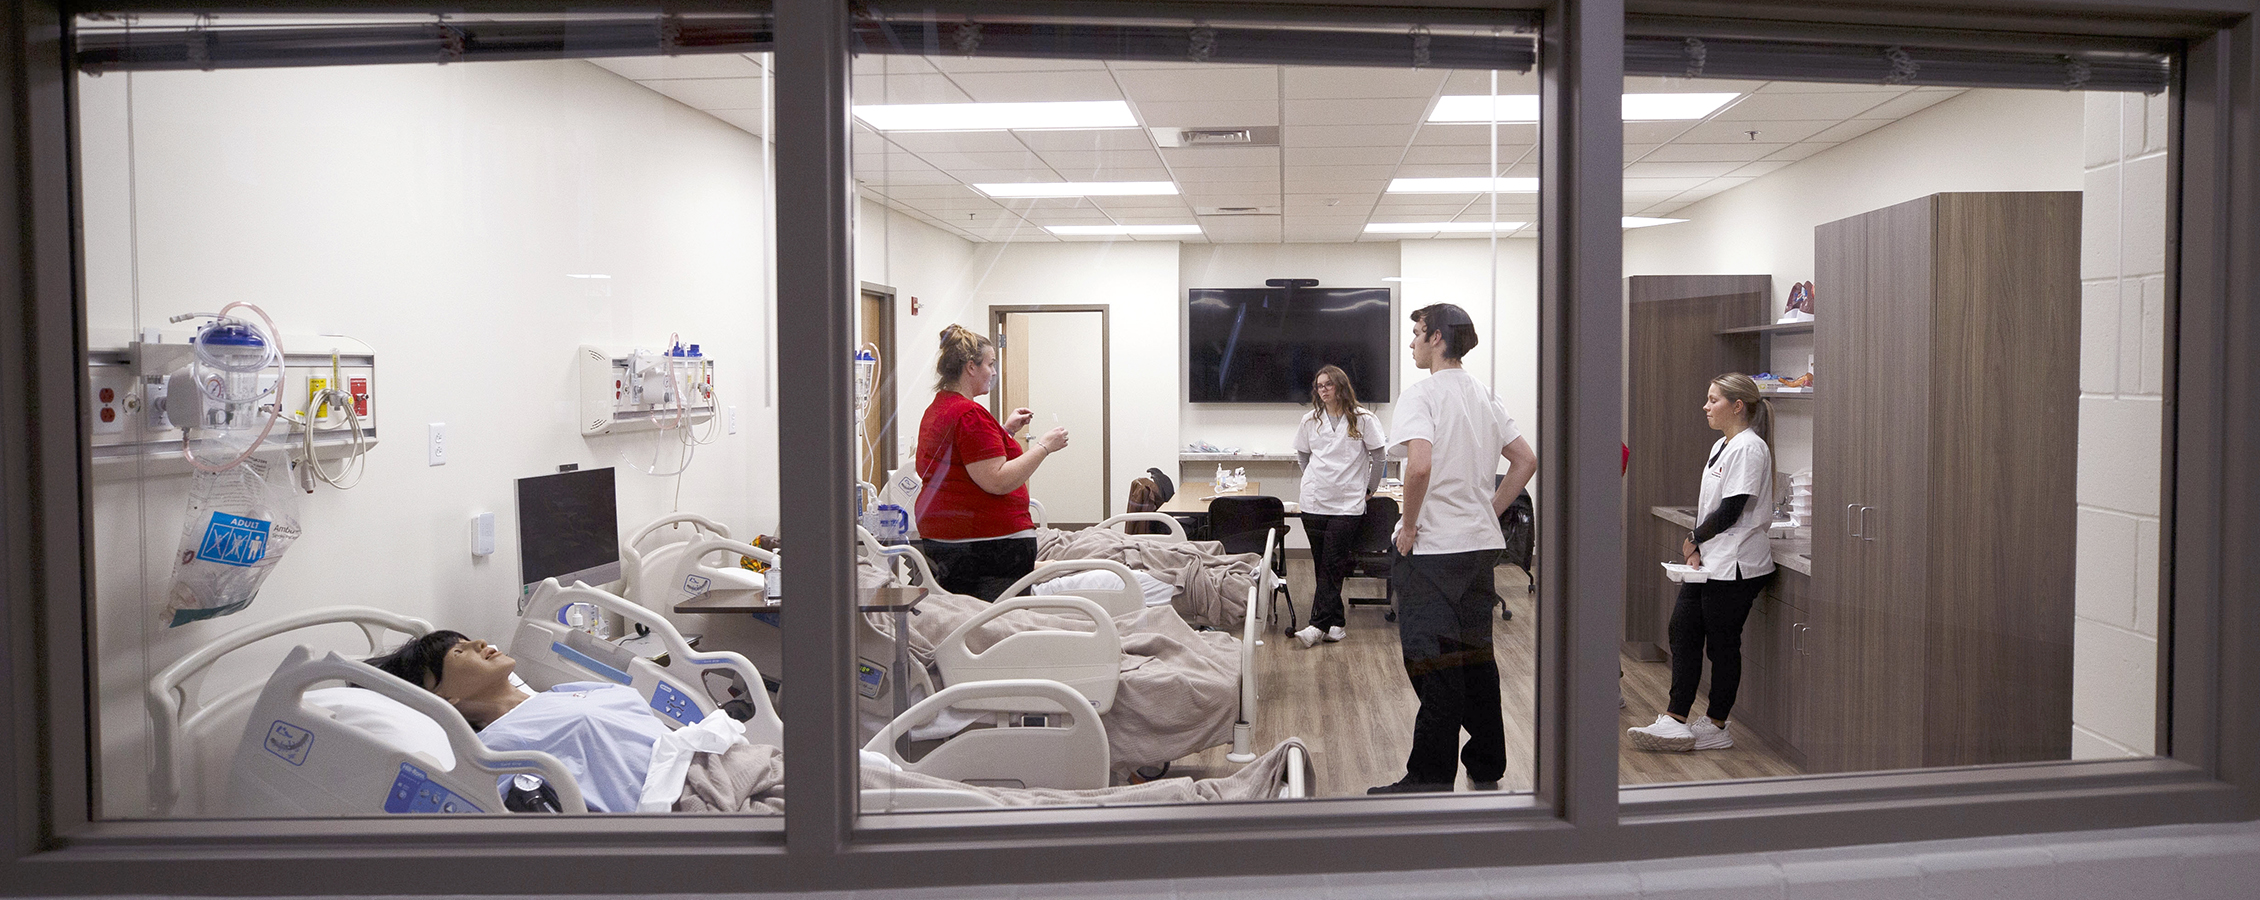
(1463, 185)
(1137, 230)
(997, 116)
(1644, 221)
(1078, 189)
(1438, 227)
(1524, 107)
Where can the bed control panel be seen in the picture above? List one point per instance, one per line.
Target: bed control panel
(674, 704)
(414, 792)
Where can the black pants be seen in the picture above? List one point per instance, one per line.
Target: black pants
(1331, 539)
(1444, 604)
(1708, 618)
(980, 568)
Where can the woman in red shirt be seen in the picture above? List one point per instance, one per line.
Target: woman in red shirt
(973, 519)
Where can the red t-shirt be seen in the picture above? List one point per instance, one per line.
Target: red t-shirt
(952, 507)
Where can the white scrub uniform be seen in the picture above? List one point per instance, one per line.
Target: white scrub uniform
(1340, 468)
(1467, 430)
(1742, 464)
(602, 733)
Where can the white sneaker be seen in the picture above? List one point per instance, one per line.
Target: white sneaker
(1335, 634)
(1666, 733)
(1309, 635)
(1709, 736)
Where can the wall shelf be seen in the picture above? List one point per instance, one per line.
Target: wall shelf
(1772, 329)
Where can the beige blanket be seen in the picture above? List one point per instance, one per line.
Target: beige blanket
(1179, 692)
(749, 778)
(1212, 585)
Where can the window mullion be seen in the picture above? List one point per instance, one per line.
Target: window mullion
(1580, 252)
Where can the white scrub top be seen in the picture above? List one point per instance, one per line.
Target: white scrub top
(1467, 430)
(602, 733)
(1334, 481)
(1741, 464)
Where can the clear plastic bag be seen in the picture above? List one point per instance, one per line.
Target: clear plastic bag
(240, 521)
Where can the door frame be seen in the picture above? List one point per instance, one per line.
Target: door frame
(887, 391)
(1106, 382)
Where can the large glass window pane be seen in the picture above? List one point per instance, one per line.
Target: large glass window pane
(456, 315)
(1162, 232)
(1950, 291)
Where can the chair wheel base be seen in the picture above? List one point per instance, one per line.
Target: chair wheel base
(1389, 616)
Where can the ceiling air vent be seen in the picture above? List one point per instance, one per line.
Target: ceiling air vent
(1235, 210)
(1248, 136)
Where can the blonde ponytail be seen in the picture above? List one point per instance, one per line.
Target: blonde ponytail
(960, 347)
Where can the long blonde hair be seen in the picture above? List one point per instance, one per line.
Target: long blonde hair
(960, 348)
(1343, 390)
(1756, 409)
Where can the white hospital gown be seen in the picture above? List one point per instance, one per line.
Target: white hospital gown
(602, 733)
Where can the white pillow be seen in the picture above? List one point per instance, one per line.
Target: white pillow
(389, 721)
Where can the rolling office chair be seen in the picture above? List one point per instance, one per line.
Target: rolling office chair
(1240, 523)
(1369, 554)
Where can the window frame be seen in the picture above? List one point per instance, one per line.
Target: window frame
(2209, 673)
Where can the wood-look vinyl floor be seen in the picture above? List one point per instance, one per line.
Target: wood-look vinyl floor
(1351, 703)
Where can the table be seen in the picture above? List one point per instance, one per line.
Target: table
(896, 600)
(1192, 499)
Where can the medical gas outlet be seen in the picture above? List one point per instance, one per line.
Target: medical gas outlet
(645, 389)
(142, 391)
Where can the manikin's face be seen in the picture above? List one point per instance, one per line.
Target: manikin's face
(980, 375)
(472, 667)
(1426, 347)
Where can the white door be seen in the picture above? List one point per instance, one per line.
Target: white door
(1055, 365)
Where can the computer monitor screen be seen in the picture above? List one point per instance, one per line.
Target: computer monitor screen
(1264, 345)
(569, 528)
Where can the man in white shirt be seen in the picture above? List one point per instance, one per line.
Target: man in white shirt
(1451, 432)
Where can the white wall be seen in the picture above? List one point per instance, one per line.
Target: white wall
(1981, 140)
(2122, 345)
(433, 212)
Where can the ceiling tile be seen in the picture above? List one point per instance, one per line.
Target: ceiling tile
(1215, 157)
(1336, 83)
(1651, 185)
(1263, 174)
(1477, 134)
(1122, 203)
(1343, 173)
(1102, 159)
(1212, 193)
(1742, 152)
(1637, 152)
(1371, 111)
(1478, 81)
(1343, 156)
(1908, 104)
(1334, 186)
(1441, 171)
(870, 90)
(917, 193)
(1337, 204)
(1654, 132)
(1069, 217)
(957, 205)
(1679, 169)
(1802, 107)
(1716, 132)
(697, 65)
(1820, 87)
(1176, 85)
(1800, 150)
(1092, 139)
(1763, 167)
(1661, 84)
(1157, 218)
(953, 64)
(1402, 205)
(1845, 131)
(1346, 135)
(1013, 160)
(956, 141)
(889, 64)
(1477, 155)
(1633, 194)
(1206, 113)
(926, 177)
(747, 120)
(711, 93)
(1019, 87)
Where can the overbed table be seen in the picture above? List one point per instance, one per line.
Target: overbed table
(895, 600)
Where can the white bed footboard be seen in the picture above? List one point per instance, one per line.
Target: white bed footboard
(1129, 598)
(1088, 662)
(1176, 528)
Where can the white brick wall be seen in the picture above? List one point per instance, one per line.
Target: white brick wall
(2122, 352)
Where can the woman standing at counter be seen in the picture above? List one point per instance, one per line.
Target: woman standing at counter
(973, 521)
(1339, 446)
(1729, 546)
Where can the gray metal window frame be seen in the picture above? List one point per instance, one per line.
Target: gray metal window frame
(2210, 673)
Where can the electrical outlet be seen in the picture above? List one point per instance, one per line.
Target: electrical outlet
(435, 449)
(733, 420)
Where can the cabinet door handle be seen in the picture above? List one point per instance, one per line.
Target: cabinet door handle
(1797, 640)
(1865, 533)
(1848, 526)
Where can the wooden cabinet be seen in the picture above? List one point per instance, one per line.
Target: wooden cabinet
(1776, 684)
(1943, 451)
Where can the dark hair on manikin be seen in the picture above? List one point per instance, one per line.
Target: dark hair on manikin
(419, 658)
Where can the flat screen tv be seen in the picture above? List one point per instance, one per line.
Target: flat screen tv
(569, 528)
(1263, 345)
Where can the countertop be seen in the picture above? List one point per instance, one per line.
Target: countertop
(1792, 550)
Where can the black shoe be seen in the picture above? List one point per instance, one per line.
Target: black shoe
(1482, 785)
(1409, 786)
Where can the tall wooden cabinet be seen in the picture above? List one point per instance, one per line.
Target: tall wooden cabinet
(1945, 431)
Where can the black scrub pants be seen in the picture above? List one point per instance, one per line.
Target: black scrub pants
(1331, 540)
(1444, 604)
(1708, 618)
(980, 568)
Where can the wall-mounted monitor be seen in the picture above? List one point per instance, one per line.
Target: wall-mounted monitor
(1264, 345)
(569, 528)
